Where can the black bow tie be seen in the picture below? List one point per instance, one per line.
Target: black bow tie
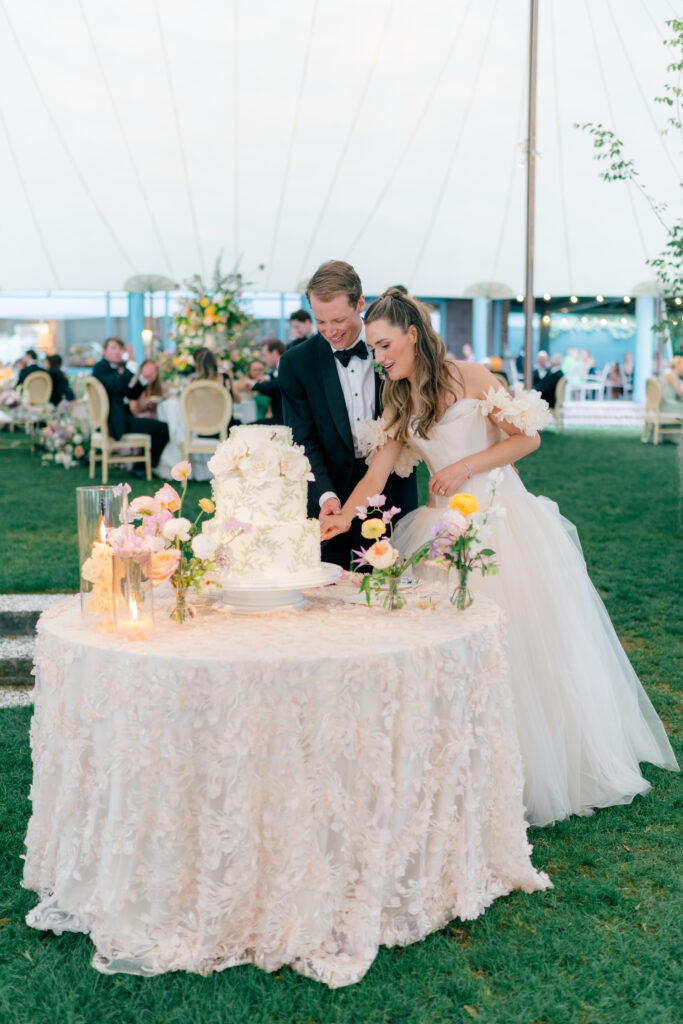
(345, 355)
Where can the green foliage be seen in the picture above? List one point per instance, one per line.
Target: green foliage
(601, 947)
(610, 151)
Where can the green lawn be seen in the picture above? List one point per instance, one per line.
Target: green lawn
(602, 946)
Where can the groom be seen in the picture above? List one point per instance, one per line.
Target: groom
(329, 388)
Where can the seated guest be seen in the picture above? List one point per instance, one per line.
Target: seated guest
(627, 368)
(547, 385)
(121, 386)
(207, 368)
(672, 388)
(31, 364)
(61, 389)
(267, 386)
(248, 408)
(300, 327)
(468, 353)
(542, 366)
(146, 404)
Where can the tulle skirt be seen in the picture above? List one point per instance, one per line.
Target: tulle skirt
(584, 719)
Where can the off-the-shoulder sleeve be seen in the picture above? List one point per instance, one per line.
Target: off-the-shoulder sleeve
(526, 410)
(373, 434)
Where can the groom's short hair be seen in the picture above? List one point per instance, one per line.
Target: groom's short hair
(335, 278)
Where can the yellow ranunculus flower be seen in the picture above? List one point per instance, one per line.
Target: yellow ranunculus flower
(465, 503)
(206, 505)
(373, 529)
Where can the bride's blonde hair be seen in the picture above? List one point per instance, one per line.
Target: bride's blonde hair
(433, 374)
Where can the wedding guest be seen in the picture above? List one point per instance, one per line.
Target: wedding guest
(329, 388)
(61, 389)
(146, 404)
(206, 368)
(519, 362)
(542, 365)
(547, 385)
(672, 388)
(468, 353)
(300, 327)
(122, 386)
(31, 364)
(627, 370)
(268, 386)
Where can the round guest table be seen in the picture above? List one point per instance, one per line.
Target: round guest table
(293, 789)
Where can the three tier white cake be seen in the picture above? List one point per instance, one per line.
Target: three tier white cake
(261, 478)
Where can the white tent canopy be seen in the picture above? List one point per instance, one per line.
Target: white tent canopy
(145, 137)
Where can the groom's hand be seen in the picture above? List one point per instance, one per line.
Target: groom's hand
(330, 507)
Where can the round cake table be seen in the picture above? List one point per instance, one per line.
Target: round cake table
(297, 789)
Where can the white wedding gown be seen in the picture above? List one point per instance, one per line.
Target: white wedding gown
(583, 717)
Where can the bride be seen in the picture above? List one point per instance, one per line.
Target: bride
(584, 720)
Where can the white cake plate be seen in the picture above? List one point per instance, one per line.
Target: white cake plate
(247, 596)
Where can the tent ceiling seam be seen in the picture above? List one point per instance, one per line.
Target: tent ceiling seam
(292, 140)
(456, 147)
(181, 144)
(58, 132)
(416, 127)
(560, 151)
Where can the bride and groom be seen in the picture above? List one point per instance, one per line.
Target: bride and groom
(583, 718)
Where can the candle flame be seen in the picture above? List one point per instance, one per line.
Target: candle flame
(103, 529)
(133, 605)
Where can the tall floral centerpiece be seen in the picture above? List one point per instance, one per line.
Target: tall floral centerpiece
(387, 566)
(180, 551)
(460, 539)
(210, 316)
(64, 439)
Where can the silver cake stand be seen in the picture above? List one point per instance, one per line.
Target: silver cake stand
(247, 596)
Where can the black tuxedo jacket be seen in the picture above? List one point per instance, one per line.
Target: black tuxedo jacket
(271, 387)
(118, 387)
(314, 407)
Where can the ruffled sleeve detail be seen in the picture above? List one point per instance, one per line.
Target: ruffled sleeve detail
(526, 410)
(373, 434)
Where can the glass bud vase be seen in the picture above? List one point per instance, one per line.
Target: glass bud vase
(461, 596)
(133, 595)
(182, 609)
(98, 510)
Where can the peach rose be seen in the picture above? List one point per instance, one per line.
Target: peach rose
(164, 564)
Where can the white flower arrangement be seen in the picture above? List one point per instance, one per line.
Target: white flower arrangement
(373, 434)
(526, 410)
(260, 462)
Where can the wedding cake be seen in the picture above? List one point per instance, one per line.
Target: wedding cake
(260, 478)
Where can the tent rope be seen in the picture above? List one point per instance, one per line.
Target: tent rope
(67, 151)
(603, 78)
(27, 197)
(181, 145)
(292, 140)
(415, 129)
(456, 146)
(349, 135)
(124, 136)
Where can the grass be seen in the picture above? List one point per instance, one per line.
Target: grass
(602, 947)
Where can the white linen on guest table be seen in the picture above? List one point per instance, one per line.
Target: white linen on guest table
(298, 788)
(168, 410)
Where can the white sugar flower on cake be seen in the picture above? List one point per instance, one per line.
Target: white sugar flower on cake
(261, 463)
(526, 410)
(294, 464)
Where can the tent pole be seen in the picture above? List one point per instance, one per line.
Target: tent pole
(530, 200)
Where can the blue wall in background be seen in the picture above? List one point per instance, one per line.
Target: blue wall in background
(604, 347)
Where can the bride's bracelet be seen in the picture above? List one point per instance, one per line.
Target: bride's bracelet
(467, 467)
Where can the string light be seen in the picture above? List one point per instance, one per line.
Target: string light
(603, 322)
(599, 298)
(546, 319)
(678, 301)
(624, 320)
(546, 297)
(520, 298)
(573, 298)
(584, 319)
(627, 298)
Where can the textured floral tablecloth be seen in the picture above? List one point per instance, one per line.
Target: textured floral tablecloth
(293, 789)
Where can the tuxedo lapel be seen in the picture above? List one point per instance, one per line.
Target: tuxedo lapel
(339, 414)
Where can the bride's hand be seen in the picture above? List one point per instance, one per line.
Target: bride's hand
(330, 526)
(449, 480)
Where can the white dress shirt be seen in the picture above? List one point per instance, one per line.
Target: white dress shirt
(358, 387)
